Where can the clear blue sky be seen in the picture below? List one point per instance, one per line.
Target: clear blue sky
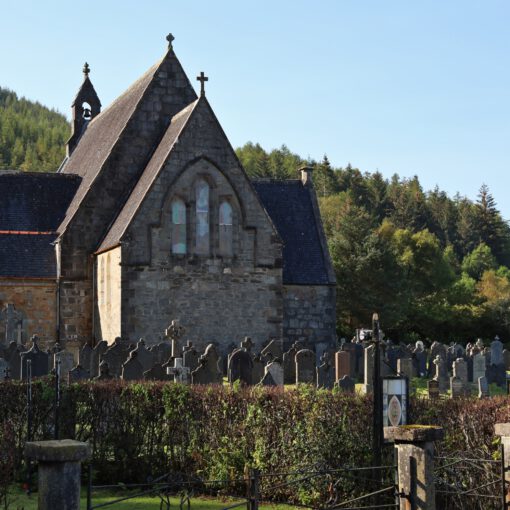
(408, 87)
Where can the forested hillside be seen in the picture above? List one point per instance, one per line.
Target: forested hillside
(433, 266)
(32, 137)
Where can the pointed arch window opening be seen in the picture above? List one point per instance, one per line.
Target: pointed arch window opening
(178, 227)
(225, 228)
(202, 239)
(87, 111)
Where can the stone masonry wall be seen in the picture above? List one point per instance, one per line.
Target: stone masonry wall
(36, 301)
(309, 315)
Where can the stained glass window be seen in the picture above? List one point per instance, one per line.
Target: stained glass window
(225, 228)
(178, 227)
(202, 218)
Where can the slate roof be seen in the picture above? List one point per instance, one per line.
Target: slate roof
(32, 205)
(289, 204)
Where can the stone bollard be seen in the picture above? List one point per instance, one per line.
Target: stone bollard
(503, 430)
(59, 472)
(415, 452)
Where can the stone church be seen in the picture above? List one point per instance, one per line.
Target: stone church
(151, 217)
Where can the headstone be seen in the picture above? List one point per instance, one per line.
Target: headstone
(483, 387)
(78, 373)
(258, 369)
(13, 357)
(359, 368)
(85, 357)
(104, 372)
(342, 365)
(273, 350)
(161, 352)
(436, 349)
(325, 372)
(4, 368)
(180, 373)
(346, 384)
(116, 356)
(352, 350)
(420, 359)
(273, 374)
(368, 386)
(190, 357)
(441, 373)
(289, 363)
(156, 373)
(144, 356)
(405, 367)
(433, 389)
(95, 358)
(460, 371)
(305, 367)
(506, 359)
(11, 320)
(479, 366)
(38, 358)
(132, 369)
(66, 363)
(496, 372)
(497, 352)
(208, 371)
(456, 387)
(240, 367)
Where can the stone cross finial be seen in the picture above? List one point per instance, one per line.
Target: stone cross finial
(202, 78)
(174, 332)
(86, 70)
(170, 38)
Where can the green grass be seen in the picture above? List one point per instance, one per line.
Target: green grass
(20, 501)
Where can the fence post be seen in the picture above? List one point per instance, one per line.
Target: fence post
(254, 489)
(503, 431)
(415, 452)
(59, 472)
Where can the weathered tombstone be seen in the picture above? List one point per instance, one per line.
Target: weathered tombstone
(483, 387)
(273, 374)
(273, 350)
(156, 373)
(78, 373)
(496, 352)
(174, 333)
(359, 368)
(436, 349)
(433, 389)
(479, 366)
(258, 369)
(342, 365)
(207, 371)
(325, 372)
(368, 386)
(116, 356)
(12, 325)
(4, 368)
(305, 366)
(420, 359)
(441, 373)
(456, 387)
(190, 357)
(350, 348)
(289, 363)
(66, 363)
(346, 384)
(95, 358)
(497, 370)
(161, 352)
(240, 367)
(460, 371)
(38, 358)
(132, 369)
(144, 356)
(405, 367)
(85, 357)
(13, 357)
(104, 372)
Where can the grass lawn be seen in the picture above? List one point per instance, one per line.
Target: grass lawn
(20, 501)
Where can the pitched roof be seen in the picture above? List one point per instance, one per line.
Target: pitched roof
(289, 204)
(32, 205)
(150, 173)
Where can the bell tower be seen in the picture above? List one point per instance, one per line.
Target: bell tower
(85, 107)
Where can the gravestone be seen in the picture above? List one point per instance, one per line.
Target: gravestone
(116, 356)
(352, 350)
(66, 363)
(346, 384)
(132, 369)
(433, 389)
(289, 363)
(342, 365)
(78, 373)
(496, 372)
(405, 367)
(190, 357)
(240, 367)
(456, 387)
(479, 366)
(207, 371)
(325, 372)
(13, 357)
(359, 368)
(95, 358)
(368, 386)
(460, 371)
(4, 369)
(144, 356)
(483, 387)
(273, 350)
(273, 374)
(441, 375)
(38, 358)
(420, 359)
(11, 320)
(506, 359)
(156, 373)
(305, 367)
(104, 372)
(258, 369)
(85, 357)
(180, 373)
(436, 349)
(161, 352)
(496, 352)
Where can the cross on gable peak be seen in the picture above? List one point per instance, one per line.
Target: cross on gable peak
(202, 78)
(170, 38)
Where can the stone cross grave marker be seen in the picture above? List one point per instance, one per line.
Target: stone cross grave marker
(174, 332)
(305, 367)
(441, 373)
(325, 372)
(12, 321)
(180, 373)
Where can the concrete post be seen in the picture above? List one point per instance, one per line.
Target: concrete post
(59, 472)
(503, 430)
(415, 451)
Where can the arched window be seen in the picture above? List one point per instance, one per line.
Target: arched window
(202, 218)
(178, 227)
(225, 228)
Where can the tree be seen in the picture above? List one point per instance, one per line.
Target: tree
(324, 179)
(478, 261)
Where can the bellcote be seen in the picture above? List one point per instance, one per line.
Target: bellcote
(85, 107)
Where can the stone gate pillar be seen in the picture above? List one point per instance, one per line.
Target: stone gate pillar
(415, 452)
(503, 430)
(59, 472)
